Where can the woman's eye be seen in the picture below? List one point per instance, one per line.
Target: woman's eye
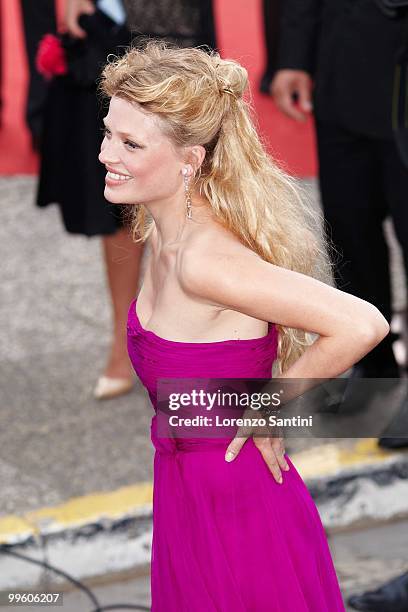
(131, 144)
(106, 133)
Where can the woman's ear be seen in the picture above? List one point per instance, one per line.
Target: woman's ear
(196, 156)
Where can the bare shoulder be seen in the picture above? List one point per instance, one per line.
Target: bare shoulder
(212, 259)
(216, 238)
(218, 268)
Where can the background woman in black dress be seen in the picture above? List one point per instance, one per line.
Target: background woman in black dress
(72, 176)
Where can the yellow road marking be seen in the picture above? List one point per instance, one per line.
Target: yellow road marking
(328, 459)
(322, 460)
(79, 511)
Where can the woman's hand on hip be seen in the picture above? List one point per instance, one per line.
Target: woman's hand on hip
(270, 446)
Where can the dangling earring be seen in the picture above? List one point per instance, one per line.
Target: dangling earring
(187, 193)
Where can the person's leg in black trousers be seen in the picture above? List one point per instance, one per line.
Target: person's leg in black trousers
(39, 18)
(355, 204)
(395, 186)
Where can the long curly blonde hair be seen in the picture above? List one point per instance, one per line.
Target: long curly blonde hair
(200, 98)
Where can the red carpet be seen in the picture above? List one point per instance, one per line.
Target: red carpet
(240, 35)
(15, 151)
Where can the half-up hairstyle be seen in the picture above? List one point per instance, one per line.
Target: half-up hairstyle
(200, 99)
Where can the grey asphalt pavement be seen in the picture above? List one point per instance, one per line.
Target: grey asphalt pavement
(56, 441)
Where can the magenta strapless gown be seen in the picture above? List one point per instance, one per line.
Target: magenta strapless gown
(226, 536)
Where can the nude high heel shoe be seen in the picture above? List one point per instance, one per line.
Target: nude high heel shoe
(108, 388)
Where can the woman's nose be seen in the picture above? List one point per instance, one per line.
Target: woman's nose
(102, 157)
(107, 153)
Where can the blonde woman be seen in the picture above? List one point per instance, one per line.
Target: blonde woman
(234, 284)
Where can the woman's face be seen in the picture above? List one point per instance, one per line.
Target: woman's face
(142, 164)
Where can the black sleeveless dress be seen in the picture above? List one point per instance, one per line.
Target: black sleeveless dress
(70, 173)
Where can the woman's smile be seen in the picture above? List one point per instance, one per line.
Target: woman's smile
(113, 179)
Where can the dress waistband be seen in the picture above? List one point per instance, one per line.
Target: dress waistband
(173, 446)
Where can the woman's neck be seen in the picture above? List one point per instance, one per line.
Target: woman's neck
(171, 222)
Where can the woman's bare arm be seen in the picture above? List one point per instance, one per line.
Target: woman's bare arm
(348, 327)
(237, 278)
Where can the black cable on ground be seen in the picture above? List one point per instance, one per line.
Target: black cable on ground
(5, 548)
